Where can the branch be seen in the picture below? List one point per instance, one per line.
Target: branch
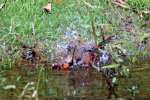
(120, 5)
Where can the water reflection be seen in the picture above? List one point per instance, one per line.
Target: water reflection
(79, 84)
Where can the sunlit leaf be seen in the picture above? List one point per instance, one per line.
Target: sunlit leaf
(18, 78)
(114, 81)
(1, 6)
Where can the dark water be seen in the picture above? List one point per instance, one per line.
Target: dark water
(64, 85)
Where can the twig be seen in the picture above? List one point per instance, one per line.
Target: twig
(97, 68)
(25, 89)
(94, 32)
(120, 5)
(73, 56)
(111, 88)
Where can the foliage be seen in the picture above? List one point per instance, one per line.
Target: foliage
(134, 91)
(139, 4)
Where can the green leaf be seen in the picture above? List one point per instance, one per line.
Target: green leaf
(143, 35)
(134, 59)
(124, 71)
(111, 66)
(114, 79)
(9, 87)
(119, 60)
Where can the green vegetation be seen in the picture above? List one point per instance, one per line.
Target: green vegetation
(139, 4)
(24, 22)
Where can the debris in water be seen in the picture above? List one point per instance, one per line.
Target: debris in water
(32, 55)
